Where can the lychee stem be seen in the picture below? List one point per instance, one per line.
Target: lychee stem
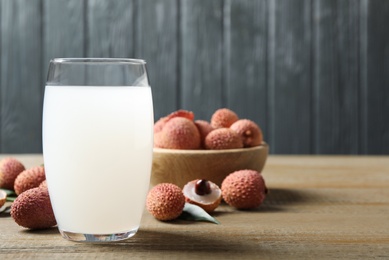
(202, 187)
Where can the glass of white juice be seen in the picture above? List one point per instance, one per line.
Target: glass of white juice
(97, 146)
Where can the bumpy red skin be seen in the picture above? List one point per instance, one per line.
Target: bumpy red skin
(204, 128)
(223, 117)
(10, 168)
(244, 189)
(223, 138)
(250, 132)
(165, 201)
(178, 133)
(158, 126)
(30, 178)
(32, 209)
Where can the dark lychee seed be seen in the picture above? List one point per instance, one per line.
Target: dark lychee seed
(202, 187)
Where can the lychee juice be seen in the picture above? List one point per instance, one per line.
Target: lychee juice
(97, 146)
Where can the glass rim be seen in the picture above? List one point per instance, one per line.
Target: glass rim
(128, 61)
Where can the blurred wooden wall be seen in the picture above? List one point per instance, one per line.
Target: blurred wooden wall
(314, 74)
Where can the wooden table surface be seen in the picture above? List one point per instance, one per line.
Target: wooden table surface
(322, 207)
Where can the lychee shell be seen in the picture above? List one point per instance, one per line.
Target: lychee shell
(32, 209)
(223, 117)
(249, 131)
(165, 201)
(223, 138)
(178, 133)
(30, 178)
(204, 128)
(207, 202)
(244, 189)
(10, 168)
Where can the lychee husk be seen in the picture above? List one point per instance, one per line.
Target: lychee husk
(10, 168)
(208, 202)
(223, 138)
(223, 117)
(30, 178)
(244, 189)
(32, 209)
(165, 201)
(249, 131)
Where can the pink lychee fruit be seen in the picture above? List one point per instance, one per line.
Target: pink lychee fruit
(223, 138)
(249, 131)
(244, 189)
(204, 128)
(165, 201)
(30, 178)
(158, 126)
(178, 133)
(223, 117)
(10, 168)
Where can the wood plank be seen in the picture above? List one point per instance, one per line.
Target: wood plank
(245, 52)
(21, 76)
(336, 77)
(375, 76)
(64, 30)
(110, 29)
(201, 47)
(157, 43)
(289, 71)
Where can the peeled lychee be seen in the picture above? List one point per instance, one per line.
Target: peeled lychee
(30, 178)
(178, 133)
(32, 209)
(223, 117)
(204, 128)
(10, 168)
(165, 201)
(3, 197)
(203, 193)
(244, 189)
(223, 138)
(250, 132)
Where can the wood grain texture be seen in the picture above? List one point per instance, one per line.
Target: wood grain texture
(375, 76)
(317, 207)
(110, 29)
(157, 43)
(21, 76)
(336, 77)
(245, 54)
(289, 82)
(201, 45)
(64, 30)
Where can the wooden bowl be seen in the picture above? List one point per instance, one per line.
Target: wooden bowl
(181, 166)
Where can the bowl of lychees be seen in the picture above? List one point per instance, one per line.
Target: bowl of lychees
(187, 149)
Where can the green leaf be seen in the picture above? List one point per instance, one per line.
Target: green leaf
(9, 192)
(11, 199)
(194, 212)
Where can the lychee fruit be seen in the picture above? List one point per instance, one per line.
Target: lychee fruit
(43, 184)
(249, 131)
(204, 128)
(223, 117)
(203, 193)
(223, 138)
(3, 197)
(10, 168)
(165, 201)
(32, 209)
(30, 178)
(178, 133)
(244, 189)
(158, 126)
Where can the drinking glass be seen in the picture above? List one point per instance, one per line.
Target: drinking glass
(97, 146)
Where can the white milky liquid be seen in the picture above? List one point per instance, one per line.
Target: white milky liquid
(97, 146)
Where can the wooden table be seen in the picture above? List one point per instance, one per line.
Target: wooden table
(318, 207)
